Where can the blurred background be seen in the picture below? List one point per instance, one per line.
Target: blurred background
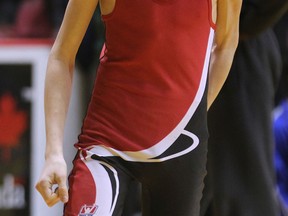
(27, 31)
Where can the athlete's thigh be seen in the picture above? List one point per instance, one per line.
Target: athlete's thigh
(175, 187)
(95, 188)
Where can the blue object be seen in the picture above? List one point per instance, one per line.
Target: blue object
(281, 149)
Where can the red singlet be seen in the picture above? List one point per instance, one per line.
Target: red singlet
(151, 78)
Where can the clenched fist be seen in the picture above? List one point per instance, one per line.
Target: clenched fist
(54, 173)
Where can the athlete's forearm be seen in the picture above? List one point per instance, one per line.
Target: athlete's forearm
(57, 95)
(220, 65)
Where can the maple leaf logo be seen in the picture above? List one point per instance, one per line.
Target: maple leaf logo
(13, 124)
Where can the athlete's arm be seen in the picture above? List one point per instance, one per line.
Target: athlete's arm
(58, 81)
(225, 44)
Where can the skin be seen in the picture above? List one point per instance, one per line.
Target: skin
(59, 77)
(225, 44)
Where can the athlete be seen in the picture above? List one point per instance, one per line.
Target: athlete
(146, 120)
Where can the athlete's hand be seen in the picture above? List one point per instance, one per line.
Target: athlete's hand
(53, 174)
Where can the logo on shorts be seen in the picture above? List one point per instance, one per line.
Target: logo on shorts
(88, 210)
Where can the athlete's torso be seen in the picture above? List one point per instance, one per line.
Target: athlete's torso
(152, 75)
